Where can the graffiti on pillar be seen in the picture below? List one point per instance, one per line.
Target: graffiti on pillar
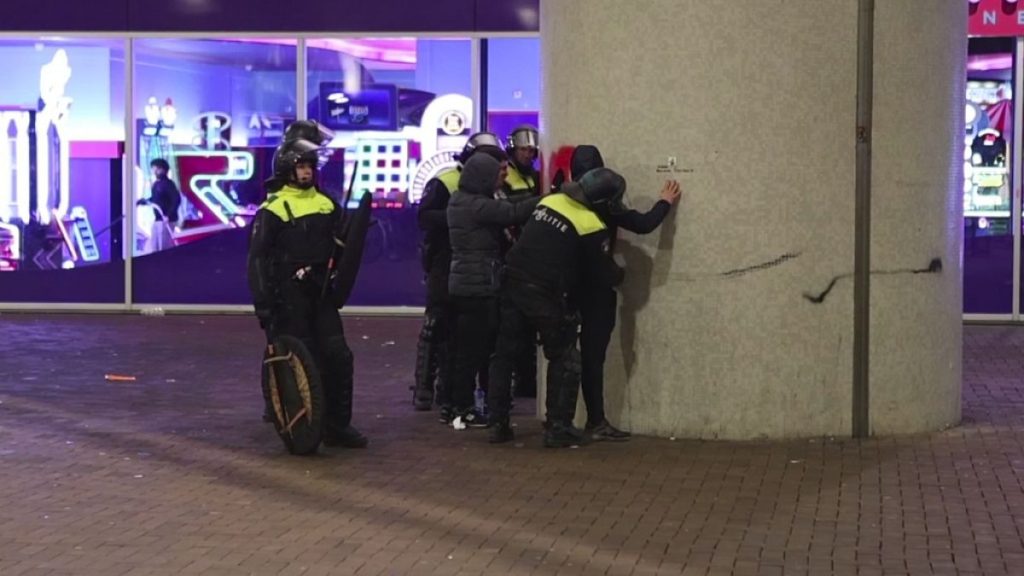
(934, 267)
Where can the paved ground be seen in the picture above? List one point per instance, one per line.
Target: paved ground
(175, 474)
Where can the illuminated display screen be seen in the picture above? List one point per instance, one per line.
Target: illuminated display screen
(373, 107)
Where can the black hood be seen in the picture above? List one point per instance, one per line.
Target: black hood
(584, 159)
(479, 175)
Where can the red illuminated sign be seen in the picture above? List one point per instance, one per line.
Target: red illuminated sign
(995, 18)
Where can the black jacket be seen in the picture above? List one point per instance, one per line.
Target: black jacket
(292, 230)
(585, 158)
(563, 248)
(476, 222)
(436, 250)
(165, 194)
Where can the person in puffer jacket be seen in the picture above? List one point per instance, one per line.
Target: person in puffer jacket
(476, 223)
(435, 352)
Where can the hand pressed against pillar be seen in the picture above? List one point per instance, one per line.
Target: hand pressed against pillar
(671, 192)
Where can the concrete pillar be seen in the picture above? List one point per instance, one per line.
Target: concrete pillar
(736, 319)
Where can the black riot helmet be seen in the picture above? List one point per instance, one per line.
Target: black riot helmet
(524, 136)
(292, 153)
(309, 130)
(481, 142)
(601, 190)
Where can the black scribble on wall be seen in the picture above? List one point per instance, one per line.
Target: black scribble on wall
(738, 272)
(934, 267)
(758, 267)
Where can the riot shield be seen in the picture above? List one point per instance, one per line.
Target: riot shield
(291, 383)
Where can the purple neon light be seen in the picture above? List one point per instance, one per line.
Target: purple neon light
(397, 50)
(982, 62)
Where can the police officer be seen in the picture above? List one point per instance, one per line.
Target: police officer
(294, 235)
(476, 223)
(564, 248)
(598, 306)
(435, 352)
(522, 148)
(522, 181)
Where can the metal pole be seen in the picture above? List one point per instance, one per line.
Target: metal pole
(862, 222)
(128, 170)
(301, 104)
(1015, 171)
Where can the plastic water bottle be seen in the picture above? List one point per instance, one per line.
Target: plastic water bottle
(480, 401)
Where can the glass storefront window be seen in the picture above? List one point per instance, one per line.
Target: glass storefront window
(513, 84)
(988, 233)
(401, 108)
(61, 139)
(208, 114)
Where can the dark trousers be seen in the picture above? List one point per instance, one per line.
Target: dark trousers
(526, 311)
(525, 373)
(316, 322)
(434, 357)
(476, 327)
(597, 313)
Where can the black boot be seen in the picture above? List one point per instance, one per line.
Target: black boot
(561, 398)
(347, 437)
(422, 399)
(426, 367)
(501, 431)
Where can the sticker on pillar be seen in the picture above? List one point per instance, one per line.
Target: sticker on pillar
(671, 166)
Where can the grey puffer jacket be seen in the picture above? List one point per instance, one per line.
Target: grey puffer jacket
(475, 226)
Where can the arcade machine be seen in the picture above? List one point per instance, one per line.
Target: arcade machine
(989, 173)
(205, 172)
(399, 139)
(10, 246)
(154, 131)
(986, 159)
(35, 182)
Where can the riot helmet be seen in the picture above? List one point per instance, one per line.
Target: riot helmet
(522, 147)
(309, 130)
(289, 155)
(481, 142)
(601, 189)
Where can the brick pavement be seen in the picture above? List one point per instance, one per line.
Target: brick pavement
(175, 474)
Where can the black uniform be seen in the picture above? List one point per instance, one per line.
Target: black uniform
(521, 183)
(476, 221)
(435, 352)
(293, 238)
(564, 246)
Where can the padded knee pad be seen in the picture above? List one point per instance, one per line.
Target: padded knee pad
(338, 357)
(566, 368)
(430, 322)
